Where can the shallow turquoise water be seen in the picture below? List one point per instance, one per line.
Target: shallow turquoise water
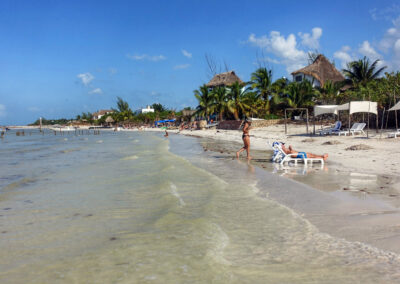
(134, 207)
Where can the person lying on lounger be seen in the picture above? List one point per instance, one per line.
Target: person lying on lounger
(290, 150)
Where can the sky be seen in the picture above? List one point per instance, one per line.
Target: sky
(61, 58)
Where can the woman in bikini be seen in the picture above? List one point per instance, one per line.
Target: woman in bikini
(246, 140)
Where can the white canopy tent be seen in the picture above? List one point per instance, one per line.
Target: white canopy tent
(395, 107)
(318, 110)
(352, 107)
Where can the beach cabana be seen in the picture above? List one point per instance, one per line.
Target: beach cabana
(323, 109)
(395, 108)
(360, 107)
(352, 107)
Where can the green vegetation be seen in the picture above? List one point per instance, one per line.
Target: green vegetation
(263, 98)
(60, 121)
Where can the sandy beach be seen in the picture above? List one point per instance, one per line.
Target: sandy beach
(382, 158)
(364, 183)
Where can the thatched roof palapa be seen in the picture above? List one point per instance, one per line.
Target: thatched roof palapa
(322, 70)
(224, 79)
(109, 119)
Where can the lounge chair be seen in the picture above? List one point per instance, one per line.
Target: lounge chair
(394, 134)
(356, 128)
(281, 157)
(211, 125)
(330, 130)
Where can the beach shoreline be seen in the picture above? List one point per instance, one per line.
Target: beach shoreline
(367, 212)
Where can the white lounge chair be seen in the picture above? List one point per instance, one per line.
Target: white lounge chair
(281, 157)
(330, 130)
(356, 128)
(394, 134)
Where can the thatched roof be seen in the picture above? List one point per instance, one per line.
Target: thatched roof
(102, 112)
(109, 119)
(322, 70)
(224, 79)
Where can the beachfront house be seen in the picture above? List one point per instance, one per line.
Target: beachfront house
(148, 109)
(101, 113)
(318, 73)
(225, 79)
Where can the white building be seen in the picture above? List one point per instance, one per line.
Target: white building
(145, 110)
(100, 113)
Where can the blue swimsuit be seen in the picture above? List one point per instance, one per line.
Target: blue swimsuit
(302, 155)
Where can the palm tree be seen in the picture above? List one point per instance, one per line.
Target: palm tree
(123, 111)
(328, 93)
(361, 72)
(205, 99)
(122, 105)
(220, 104)
(236, 104)
(261, 81)
(253, 105)
(300, 94)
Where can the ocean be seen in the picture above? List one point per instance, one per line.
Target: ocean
(136, 207)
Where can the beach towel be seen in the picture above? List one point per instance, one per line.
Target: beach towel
(277, 156)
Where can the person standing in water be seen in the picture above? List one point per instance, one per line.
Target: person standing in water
(246, 140)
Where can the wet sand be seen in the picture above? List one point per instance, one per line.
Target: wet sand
(362, 207)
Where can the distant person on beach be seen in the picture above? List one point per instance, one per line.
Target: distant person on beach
(290, 150)
(166, 133)
(246, 139)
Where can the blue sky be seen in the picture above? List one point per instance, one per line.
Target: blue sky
(60, 58)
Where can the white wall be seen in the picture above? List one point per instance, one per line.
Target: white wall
(309, 78)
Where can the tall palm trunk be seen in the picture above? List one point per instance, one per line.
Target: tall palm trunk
(236, 114)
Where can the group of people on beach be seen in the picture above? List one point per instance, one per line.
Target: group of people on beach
(289, 150)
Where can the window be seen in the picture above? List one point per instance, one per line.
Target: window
(299, 78)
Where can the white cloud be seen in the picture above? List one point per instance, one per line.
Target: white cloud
(389, 44)
(397, 46)
(182, 66)
(153, 58)
(186, 53)
(2, 110)
(344, 56)
(311, 41)
(33, 109)
(86, 78)
(96, 91)
(367, 50)
(113, 70)
(286, 49)
(386, 13)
